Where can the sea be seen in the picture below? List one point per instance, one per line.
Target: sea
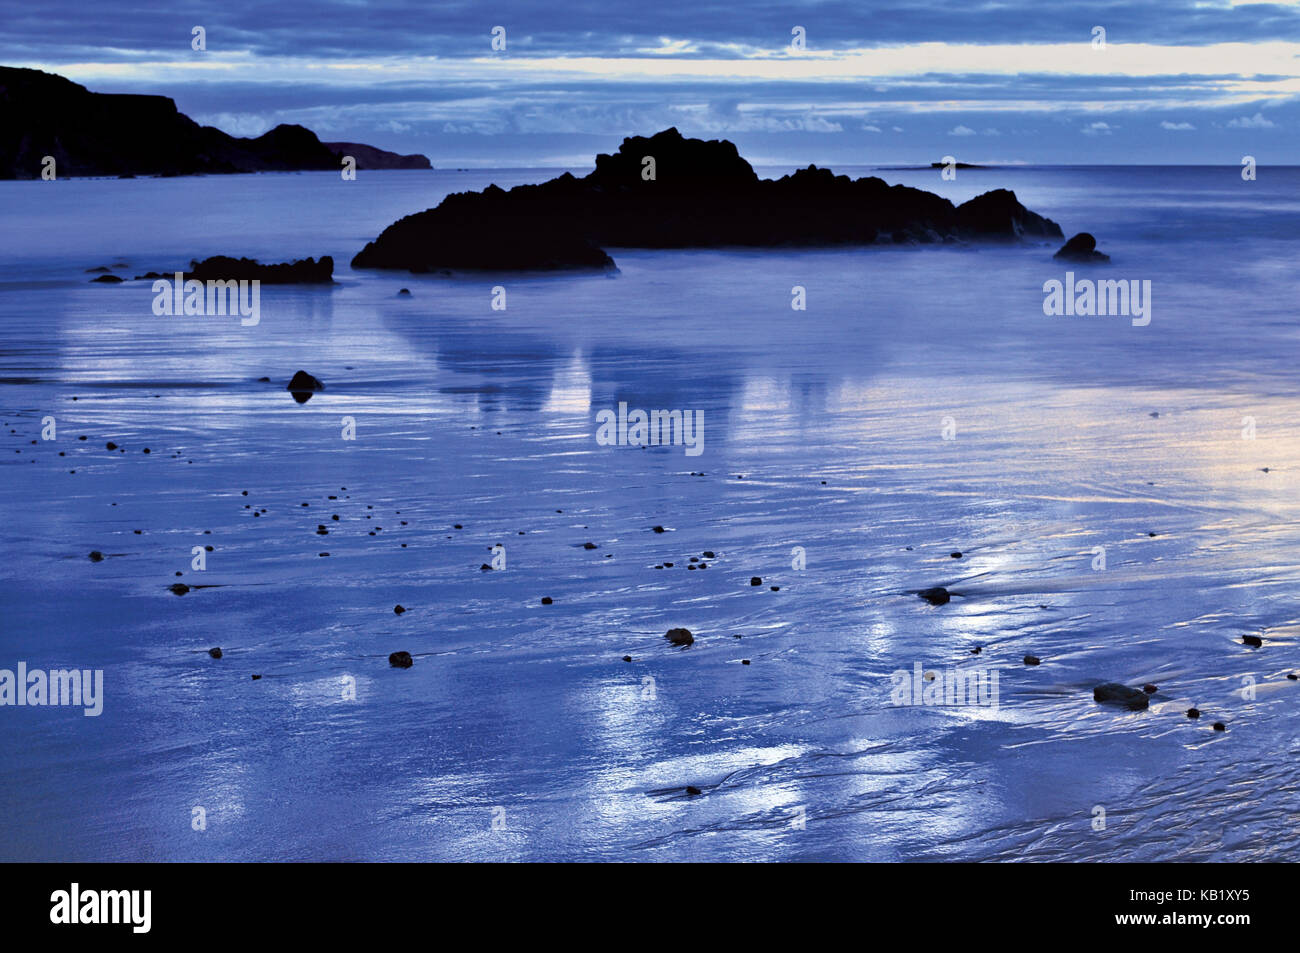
(1115, 496)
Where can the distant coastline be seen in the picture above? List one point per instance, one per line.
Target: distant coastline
(55, 128)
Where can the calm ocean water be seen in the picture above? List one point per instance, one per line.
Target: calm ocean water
(1105, 484)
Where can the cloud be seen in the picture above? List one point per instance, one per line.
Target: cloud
(1256, 121)
(961, 131)
(245, 125)
(1097, 129)
(870, 128)
(1179, 126)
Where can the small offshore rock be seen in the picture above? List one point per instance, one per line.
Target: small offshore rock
(179, 588)
(756, 581)
(398, 609)
(547, 600)
(1193, 713)
(1082, 247)
(1032, 660)
(96, 556)
(1219, 726)
(1254, 640)
(1149, 688)
(401, 660)
(693, 790)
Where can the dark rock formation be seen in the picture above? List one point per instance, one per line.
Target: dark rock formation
(368, 157)
(107, 280)
(307, 271)
(1252, 640)
(302, 382)
(1112, 693)
(680, 636)
(215, 652)
(126, 135)
(703, 194)
(937, 596)
(401, 660)
(1081, 248)
(1032, 660)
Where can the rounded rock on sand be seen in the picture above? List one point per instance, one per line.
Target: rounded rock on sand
(936, 596)
(680, 636)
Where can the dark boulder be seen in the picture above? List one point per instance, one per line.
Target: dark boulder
(215, 652)
(680, 637)
(1113, 693)
(937, 596)
(401, 660)
(1081, 248)
(304, 383)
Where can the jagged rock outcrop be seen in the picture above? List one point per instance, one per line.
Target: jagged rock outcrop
(308, 271)
(667, 191)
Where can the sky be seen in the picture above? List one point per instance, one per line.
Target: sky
(875, 82)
